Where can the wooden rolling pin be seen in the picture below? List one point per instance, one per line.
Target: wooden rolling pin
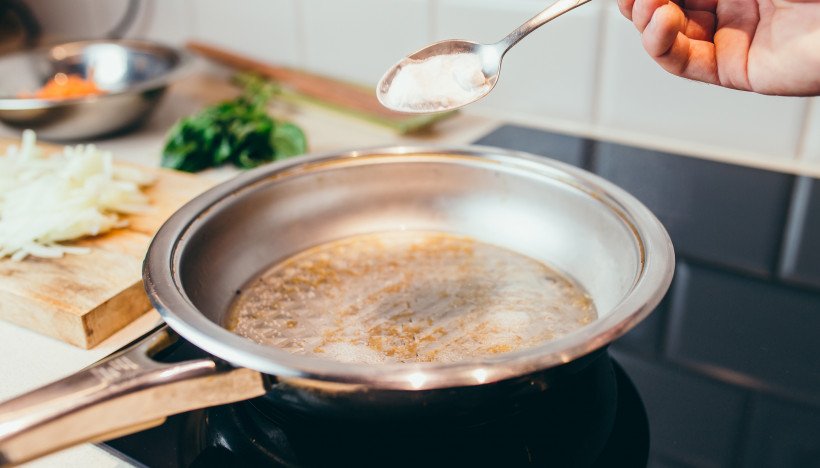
(346, 97)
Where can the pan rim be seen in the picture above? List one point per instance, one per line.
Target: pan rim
(164, 287)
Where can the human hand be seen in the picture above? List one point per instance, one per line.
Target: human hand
(765, 46)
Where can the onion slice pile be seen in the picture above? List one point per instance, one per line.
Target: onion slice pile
(47, 200)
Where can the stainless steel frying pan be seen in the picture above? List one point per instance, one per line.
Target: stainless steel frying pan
(207, 251)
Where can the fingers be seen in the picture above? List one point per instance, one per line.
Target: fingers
(700, 25)
(701, 5)
(733, 40)
(661, 31)
(695, 24)
(642, 11)
(674, 50)
(708, 6)
(678, 39)
(668, 20)
(691, 59)
(626, 8)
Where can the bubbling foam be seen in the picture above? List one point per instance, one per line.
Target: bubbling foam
(409, 297)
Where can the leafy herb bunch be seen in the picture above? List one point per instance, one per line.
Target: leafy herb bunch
(239, 131)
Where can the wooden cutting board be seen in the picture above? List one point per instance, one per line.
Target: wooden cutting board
(83, 299)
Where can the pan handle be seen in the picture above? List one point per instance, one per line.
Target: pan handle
(119, 395)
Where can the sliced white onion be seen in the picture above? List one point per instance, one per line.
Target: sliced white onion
(45, 200)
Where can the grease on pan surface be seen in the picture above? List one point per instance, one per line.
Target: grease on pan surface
(409, 297)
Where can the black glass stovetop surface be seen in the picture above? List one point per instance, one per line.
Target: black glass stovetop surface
(243, 434)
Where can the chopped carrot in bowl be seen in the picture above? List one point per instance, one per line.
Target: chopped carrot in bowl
(64, 86)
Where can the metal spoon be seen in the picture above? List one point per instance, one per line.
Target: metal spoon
(436, 95)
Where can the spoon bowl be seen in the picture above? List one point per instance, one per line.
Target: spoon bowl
(489, 60)
(450, 74)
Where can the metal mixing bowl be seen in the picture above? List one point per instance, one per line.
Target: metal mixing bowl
(133, 73)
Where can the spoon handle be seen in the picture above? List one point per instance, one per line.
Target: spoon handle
(553, 11)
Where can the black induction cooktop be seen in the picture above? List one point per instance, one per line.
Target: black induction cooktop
(248, 434)
(726, 366)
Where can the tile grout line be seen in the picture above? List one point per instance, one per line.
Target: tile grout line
(793, 227)
(301, 34)
(190, 21)
(676, 302)
(744, 435)
(432, 17)
(598, 67)
(803, 133)
(783, 240)
(193, 19)
(589, 151)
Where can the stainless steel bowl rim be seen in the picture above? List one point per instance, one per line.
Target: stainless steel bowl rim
(12, 103)
(164, 285)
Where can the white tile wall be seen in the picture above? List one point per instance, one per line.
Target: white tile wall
(77, 19)
(551, 73)
(267, 30)
(167, 21)
(358, 40)
(586, 72)
(811, 136)
(637, 95)
(162, 20)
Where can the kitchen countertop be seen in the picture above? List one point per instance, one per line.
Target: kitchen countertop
(35, 360)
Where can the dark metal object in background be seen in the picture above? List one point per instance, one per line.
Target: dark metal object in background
(126, 21)
(34, 31)
(28, 21)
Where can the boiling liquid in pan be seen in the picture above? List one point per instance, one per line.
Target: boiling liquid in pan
(409, 297)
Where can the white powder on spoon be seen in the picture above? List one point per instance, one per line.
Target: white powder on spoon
(438, 83)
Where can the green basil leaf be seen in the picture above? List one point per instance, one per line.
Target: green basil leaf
(288, 140)
(238, 131)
